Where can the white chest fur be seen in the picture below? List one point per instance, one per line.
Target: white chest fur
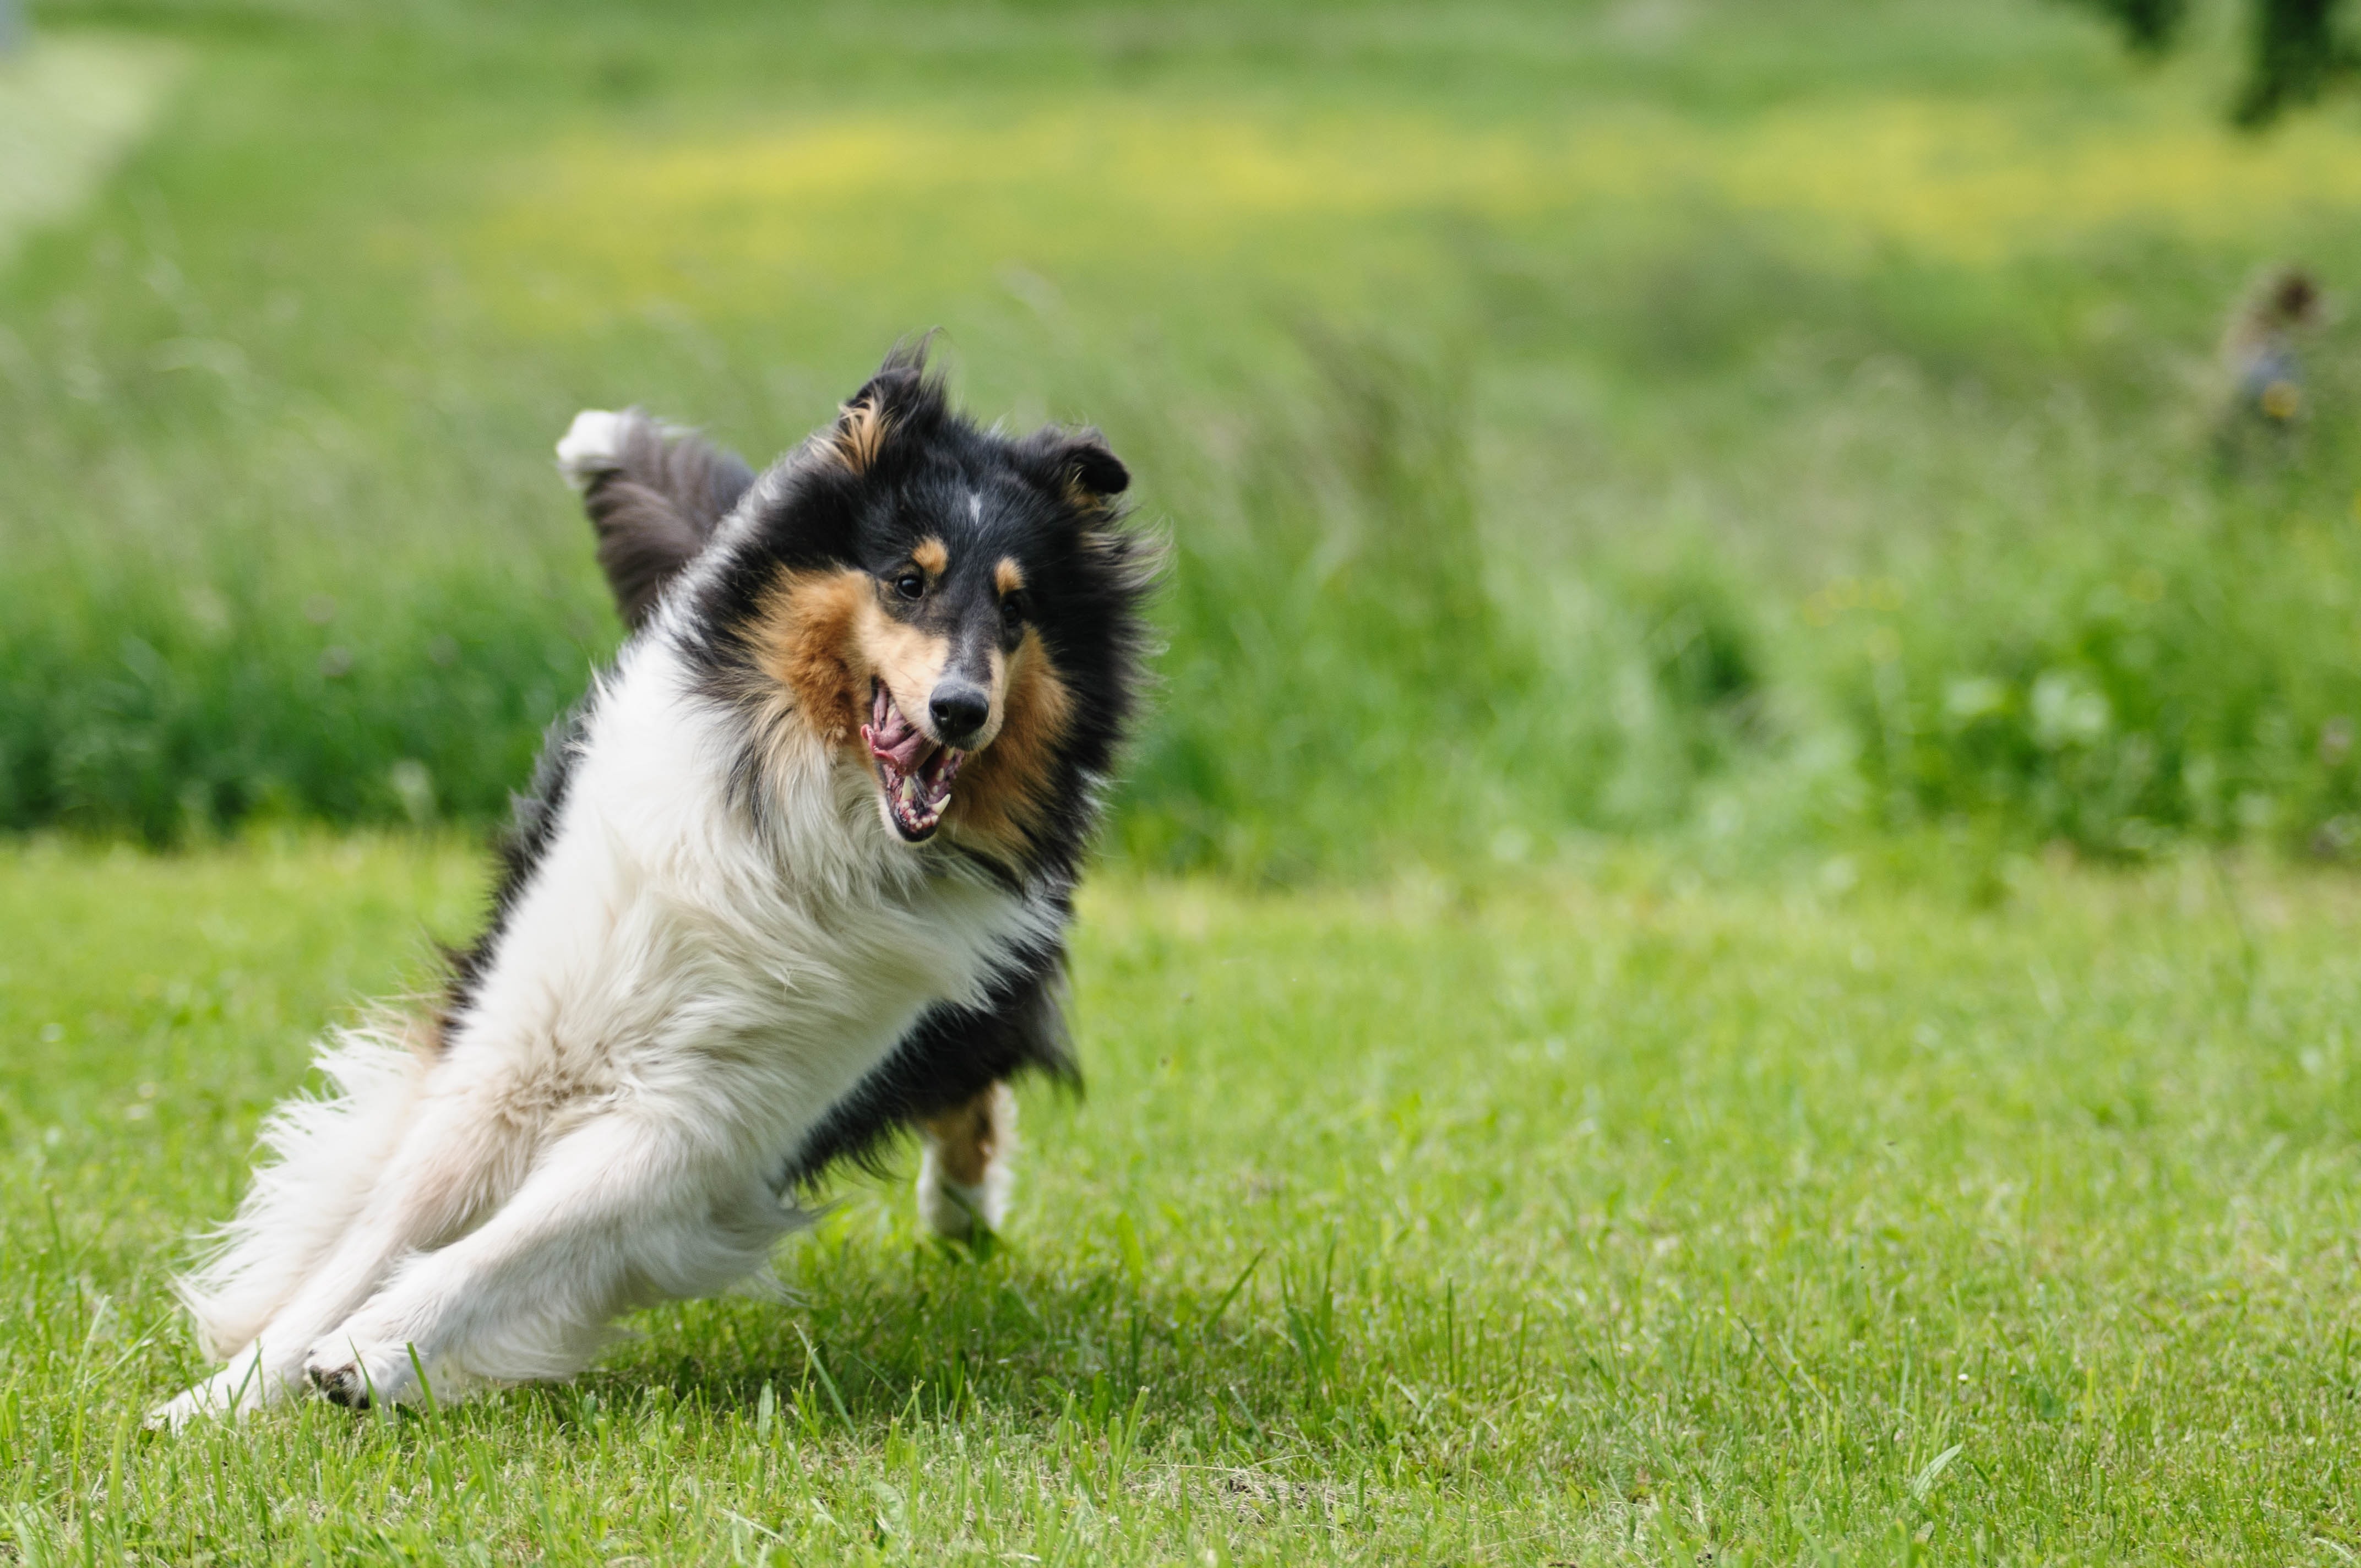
(735, 971)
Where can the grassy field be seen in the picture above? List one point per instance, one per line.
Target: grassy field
(1664, 415)
(1622, 1217)
(1697, 526)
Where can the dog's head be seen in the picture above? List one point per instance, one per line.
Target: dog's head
(956, 610)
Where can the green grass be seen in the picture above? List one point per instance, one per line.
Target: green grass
(1743, 476)
(1619, 418)
(1618, 1217)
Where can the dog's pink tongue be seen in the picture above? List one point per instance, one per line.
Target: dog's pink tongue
(891, 739)
(899, 744)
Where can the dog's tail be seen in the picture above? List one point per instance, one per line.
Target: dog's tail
(325, 1155)
(654, 493)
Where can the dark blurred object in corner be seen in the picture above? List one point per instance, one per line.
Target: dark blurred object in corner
(2261, 352)
(2295, 50)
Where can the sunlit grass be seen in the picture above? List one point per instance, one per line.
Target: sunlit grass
(1605, 1217)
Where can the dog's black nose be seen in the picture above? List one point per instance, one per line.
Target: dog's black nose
(959, 710)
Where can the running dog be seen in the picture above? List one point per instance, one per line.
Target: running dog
(793, 876)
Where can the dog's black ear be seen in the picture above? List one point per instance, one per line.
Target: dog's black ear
(902, 399)
(1080, 466)
(1094, 469)
(654, 495)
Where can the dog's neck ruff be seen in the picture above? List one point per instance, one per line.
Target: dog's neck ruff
(735, 963)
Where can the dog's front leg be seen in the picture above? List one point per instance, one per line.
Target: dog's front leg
(621, 1209)
(269, 1369)
(454, 1159)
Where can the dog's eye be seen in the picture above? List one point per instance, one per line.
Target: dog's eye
(910, 586)
(1012, 611)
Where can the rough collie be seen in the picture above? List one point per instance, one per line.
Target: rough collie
(793, 876)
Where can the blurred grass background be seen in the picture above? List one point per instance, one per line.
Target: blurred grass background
(1768, 428)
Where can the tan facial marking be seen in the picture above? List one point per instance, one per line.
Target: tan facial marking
(1008, 576)
(931, 556)
(807, 637)
(859, 432)
(822, 637)
(1004, 789)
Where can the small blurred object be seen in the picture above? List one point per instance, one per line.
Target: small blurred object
(2261, 351)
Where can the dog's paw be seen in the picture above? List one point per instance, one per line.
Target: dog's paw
(592, 446)
(359, 1379)
(958, 1211)
(240, 1388)
(955, 1213)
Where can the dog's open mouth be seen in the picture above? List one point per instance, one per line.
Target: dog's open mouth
(918, 771)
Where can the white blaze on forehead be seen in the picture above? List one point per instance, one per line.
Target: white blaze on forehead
(975, 506)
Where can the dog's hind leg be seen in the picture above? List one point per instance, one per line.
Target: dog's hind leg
(964, 1173)
(948, 1078)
